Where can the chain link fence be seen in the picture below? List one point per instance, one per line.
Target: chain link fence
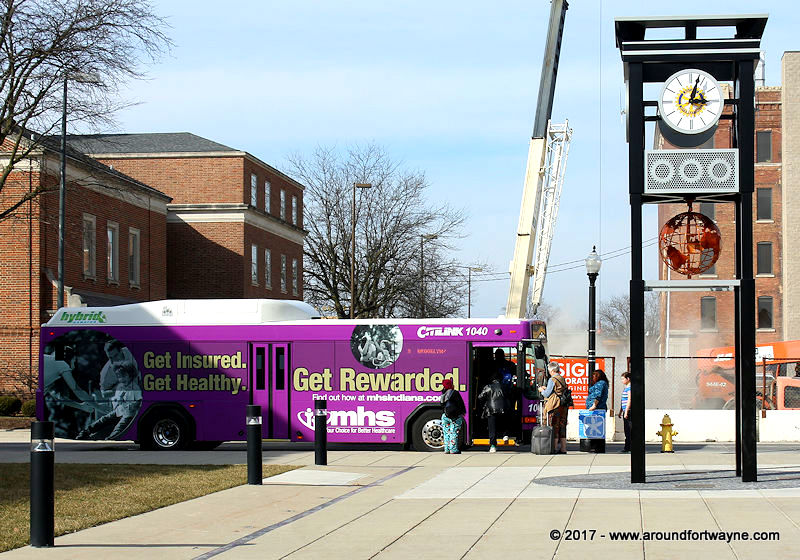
(700, 382)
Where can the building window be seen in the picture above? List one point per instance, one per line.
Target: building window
(254, 265)
(295, 274)
(765, 313)
(283, 273)
(89, 245)
(764, 146)
(253, 191)
(708, 313)
(267, 193)
(268, 269)
(763, 204)
(112, 252)
(711, 271)
(707, 209)
(764, 258)
(295, 210)
(283, 204)
(133, 256)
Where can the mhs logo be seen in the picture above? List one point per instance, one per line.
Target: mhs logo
(351, 418)
(424, 332)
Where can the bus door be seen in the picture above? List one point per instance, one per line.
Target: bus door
(279, 366)
(271, 388)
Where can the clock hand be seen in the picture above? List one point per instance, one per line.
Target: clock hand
(694, 89)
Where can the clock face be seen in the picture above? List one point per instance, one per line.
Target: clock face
(690, 101)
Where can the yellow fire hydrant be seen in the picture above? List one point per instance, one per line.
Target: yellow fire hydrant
(666, 434)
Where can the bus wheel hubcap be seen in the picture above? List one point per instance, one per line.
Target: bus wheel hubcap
(432, 433)
(166, 432)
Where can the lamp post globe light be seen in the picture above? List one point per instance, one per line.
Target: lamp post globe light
(83, 78)
(353, 254)
(593, 263)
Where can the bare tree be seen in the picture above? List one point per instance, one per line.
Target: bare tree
(402, 242)
(614, 316)
(47, 43)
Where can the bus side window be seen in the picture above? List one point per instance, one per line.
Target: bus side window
(280, 368)
(260, 369)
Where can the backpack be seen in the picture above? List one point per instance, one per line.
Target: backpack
(565, 398)
(450, 406)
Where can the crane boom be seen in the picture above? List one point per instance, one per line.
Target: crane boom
(543, 179)
(552, 54)
(558, 140)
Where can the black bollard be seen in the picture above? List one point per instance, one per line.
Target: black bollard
(254, 467)
(320, 432)
(42, 488)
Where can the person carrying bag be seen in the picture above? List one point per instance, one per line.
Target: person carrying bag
(453, 411)
(558, 397)
(494, 405)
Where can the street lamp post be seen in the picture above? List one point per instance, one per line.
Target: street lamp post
(422, 239)
(592, 270)
(593, 263)
(353, 255)
(62, 203)
(470, 270)
(62, 187)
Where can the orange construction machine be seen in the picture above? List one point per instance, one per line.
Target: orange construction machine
(777, 377)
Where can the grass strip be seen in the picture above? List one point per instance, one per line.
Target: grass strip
(89, 495)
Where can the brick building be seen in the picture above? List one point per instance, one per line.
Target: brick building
(149, 216)
(114, 251)
(229, 208)
(695, 320)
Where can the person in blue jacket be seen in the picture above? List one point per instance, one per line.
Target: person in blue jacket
(597, 399)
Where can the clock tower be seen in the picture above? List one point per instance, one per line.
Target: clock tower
(688, 108)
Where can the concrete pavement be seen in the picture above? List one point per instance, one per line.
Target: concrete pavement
(511, 504)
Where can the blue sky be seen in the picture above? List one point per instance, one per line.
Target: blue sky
(446, 87)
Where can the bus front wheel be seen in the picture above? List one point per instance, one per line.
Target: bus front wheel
(427, 433)
(167, 432)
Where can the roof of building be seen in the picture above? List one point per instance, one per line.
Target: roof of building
(160, 144)
(147, 143)
(52, 144)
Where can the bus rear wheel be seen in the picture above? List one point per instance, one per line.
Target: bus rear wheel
(427, 433)
(167, 432)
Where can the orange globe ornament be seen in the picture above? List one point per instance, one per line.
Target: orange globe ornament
(690, 243)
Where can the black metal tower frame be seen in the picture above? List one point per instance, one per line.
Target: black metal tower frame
(727, 59)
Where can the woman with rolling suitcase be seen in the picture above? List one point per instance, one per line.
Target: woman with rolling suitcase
(555, 412)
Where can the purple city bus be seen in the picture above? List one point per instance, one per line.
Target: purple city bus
(174, 373)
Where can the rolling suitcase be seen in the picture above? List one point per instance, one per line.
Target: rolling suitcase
(542, 439)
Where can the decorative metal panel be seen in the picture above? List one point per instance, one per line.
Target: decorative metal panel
(691, 171)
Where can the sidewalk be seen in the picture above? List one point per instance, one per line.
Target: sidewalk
(512, 504)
